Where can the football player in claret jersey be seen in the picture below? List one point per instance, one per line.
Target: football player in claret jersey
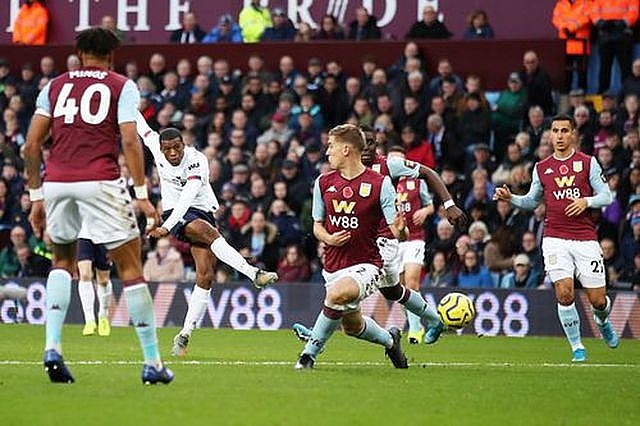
(392, 288)
(189, 203)
(416, 203)
(348, 204)
(570, 182)
(90, 113)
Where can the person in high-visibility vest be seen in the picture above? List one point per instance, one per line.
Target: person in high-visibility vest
(30, 26)
(571, 18)
(614, 20)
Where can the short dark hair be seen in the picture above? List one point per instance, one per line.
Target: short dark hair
(169, 134)
(97, 41)
(564, 117)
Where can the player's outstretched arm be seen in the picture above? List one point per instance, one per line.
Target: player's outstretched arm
(150, 137)
(399, 167)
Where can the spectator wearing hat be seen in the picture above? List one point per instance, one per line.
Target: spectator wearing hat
(240, 180)
(509, 111)
(577, 97)
(227, 31)
(190, 32)
(364, 27)
(31, 24)
(522, 276)
(282, 29)
(279, 130)
(314, 75)
(6, 78)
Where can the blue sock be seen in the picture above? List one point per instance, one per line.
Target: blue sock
(140, 306)
(58, 295)
(373, 333)
(601, 316)
(571, 324)
(322, 331)
(418, 306)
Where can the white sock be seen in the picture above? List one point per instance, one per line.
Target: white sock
(87, 297)
(197, 307)
(223, 251)
(104, 297)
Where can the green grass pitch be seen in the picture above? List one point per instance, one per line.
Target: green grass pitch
(247, 378)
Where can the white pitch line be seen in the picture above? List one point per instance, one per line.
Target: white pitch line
(339, 363)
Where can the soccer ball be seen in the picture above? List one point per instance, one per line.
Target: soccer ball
(456, 310)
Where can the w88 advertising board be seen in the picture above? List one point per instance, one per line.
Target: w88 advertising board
(517, 313)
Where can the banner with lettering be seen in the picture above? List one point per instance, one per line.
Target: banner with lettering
(240, 306)
(144, 21)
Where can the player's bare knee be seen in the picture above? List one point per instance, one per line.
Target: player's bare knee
(338, 297)
(352, 329)
(564, 296)
(204, 279)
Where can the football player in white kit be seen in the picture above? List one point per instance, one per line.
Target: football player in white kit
(188, 204)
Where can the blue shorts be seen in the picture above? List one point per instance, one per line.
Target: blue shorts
(96, 253)
(191, 215)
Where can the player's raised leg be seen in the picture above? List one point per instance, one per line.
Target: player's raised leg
(601, 307)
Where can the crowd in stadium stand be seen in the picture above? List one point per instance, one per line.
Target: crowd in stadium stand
(264, 132)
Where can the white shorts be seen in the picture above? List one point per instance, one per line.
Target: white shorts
(367, 276)
(391, 261)
(102, 209)
(411, 252)
(566, 258)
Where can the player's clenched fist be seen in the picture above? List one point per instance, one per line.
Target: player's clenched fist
(502, 193)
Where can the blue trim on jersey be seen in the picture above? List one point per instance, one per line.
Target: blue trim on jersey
(603, 196)
(424, 194)
(191, 215)
(398, 167)
(128, 103)
(42, 102)
(317, 211)
(388, 200)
